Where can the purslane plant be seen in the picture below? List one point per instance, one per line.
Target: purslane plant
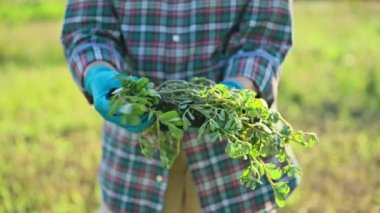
(253, 132)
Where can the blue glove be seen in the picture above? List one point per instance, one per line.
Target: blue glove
(99, 81)
(232, 84)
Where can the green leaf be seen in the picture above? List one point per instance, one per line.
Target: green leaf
(238, 123)
(260, 103)
(126, 109)
(150, 115)
(139, 109)
(186, 123)
(280, 202)
(312, 140)
(214, 137)
(191, 116)
(147, 148)
(150, 85)
(153, 93)
(202, 131)
(282, 156)
(285, 130)
(176, 132)
(292, 170)
(260, 168)
(214, 124)
(267, 149)
(113, 100)
(281, 190)
(307, 140)
(183, 106)
(238, 149)
(247, 179)
(134, 120)
(299, 137)
(273, 171)
(124, 119)
(228, 124)
(169, 116)
(143, 81)
(246, 173)
(169, 149)
(222, 115)
(115, 106)
(265, 128)
(275, 117)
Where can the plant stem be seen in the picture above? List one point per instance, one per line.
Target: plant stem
(266, 172)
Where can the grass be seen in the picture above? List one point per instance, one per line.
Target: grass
(329, 86)
(50, 143)
(31, 44)
(50, 136)
(21, 11)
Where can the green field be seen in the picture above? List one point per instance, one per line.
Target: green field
(50, 136)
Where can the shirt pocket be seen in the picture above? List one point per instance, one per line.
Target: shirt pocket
(174, 37)
(210, 22)
(144, 33)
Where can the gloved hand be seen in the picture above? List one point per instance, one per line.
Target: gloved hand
(99, 81)
(231, 84)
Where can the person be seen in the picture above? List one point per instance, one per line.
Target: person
(175, 39)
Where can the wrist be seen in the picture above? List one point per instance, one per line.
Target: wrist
(96, 64)
(232, 84)
(92, 71)
(244, 82)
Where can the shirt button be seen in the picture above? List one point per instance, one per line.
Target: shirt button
(176, 38)
(159, 178)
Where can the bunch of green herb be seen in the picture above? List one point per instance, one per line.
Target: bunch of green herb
(253, 131)
(133, 99)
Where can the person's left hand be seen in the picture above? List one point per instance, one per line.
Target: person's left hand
(240, 82)
(99, 81)
(232, 84)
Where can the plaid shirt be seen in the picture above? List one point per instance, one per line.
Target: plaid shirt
(178, 39)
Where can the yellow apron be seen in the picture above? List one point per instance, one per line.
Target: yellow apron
(181, 195)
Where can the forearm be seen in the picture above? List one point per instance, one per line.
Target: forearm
(90, 40)
(267, 30)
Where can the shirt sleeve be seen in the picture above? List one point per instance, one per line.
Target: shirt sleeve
(91, 32)
(265, 37)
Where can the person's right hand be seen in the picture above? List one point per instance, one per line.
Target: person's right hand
(99, 81)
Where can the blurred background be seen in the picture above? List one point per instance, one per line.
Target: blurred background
(50, 136)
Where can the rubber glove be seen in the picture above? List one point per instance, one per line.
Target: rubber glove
(99, 81)
(232, 84)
